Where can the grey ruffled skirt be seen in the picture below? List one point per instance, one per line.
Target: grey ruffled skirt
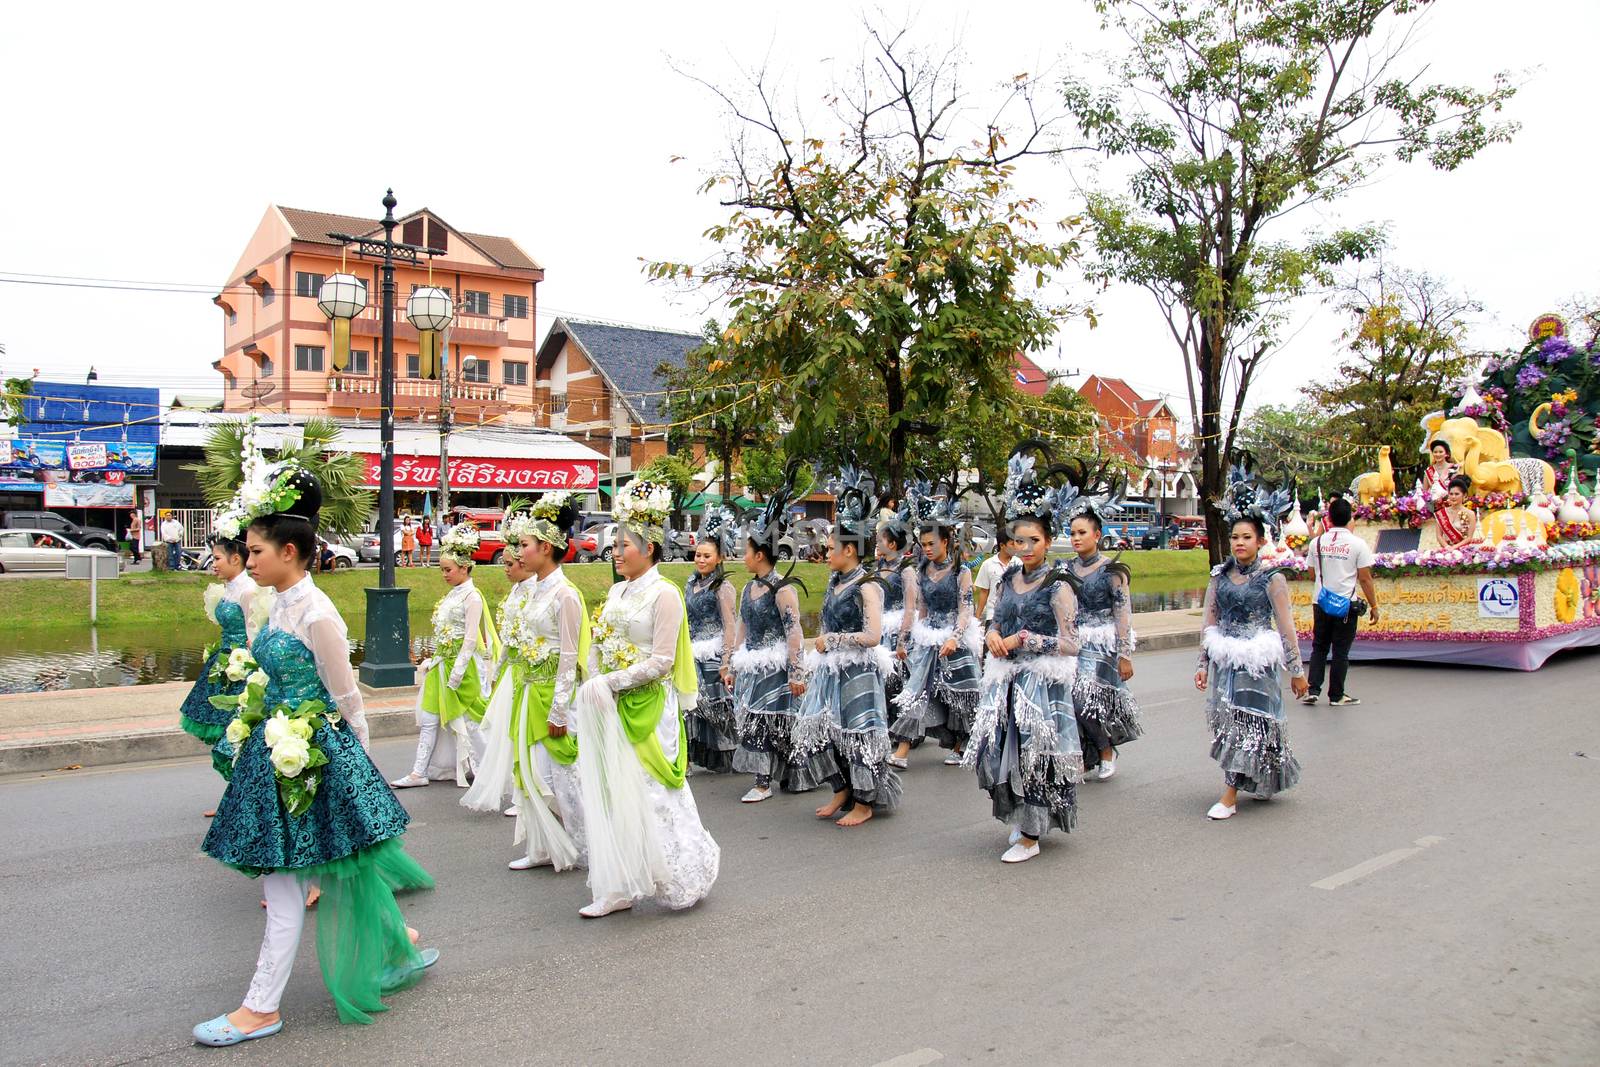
(1025, 745)
(711, 729)
(841, 737)
(1249, 738)
(764, 712)
(940, 697)
(1108, 715)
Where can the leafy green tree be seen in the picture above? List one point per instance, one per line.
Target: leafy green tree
(763, 472)
(1294, 444)
(725, 416)
(895, 249)
(1232, 115)
(346, 506)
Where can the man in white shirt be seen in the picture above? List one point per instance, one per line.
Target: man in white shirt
(172, 539)
(989, 572)
(1339, 561)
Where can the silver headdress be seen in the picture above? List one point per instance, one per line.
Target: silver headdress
(1249, 496)
(766, 524)
(720, 526)
(857, 519)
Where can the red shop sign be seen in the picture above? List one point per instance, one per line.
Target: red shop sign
(493, 475)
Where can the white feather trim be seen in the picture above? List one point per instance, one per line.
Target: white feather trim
(892, 620)
(707, 647)
(1256, 654)
(770, 658)
(935, 636)
(1104, 635)
(998, 671)
(876, 657)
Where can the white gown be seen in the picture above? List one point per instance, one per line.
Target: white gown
(645, 840)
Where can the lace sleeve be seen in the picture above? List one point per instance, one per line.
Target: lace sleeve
(871, 622)
(331, 649)
(963, 601)
(1122, 614)
(469, 640)
(251, 625)
(1064, 642)
(911, 605)
(569, 624)
(663, 644)
(1208, 619)
(789, 611)
(1283, 620)
(730, 622)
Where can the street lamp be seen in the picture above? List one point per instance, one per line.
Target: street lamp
(446, 414)
(388, 642)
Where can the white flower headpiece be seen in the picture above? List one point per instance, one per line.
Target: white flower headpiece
(460, 542)
(643, 507)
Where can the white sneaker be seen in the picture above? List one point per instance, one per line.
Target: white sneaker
(511, 812)
(1016, 835)
(1107, 769)
(410, 781)
(598, 910)
(528, 863)
(755, 796)
(1018, 853)
(1219, 810)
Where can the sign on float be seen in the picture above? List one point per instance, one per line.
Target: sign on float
(534, 475)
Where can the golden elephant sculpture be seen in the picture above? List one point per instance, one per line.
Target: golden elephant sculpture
(1482, 455)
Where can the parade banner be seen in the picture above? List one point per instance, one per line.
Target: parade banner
(88, 495)
(32, 461)
(491, 475)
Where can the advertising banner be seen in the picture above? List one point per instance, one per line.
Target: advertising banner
(33, 461)
(492, 475)
(88, 495)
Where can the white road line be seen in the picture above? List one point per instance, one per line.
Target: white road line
(1376, 863)
(1165, 703)
(913, 1059)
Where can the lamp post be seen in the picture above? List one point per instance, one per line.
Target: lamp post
(446, 414)
(388, 642)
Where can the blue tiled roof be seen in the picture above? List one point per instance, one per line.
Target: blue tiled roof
(630, 357)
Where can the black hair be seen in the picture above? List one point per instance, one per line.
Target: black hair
(657, 553)
(1461, 482)
(284, 530)
(1339, 512)
(1091, 517)
(1044, 522)
(763, 547)
(1439, 442)
(896, 536)
(1260, 524)
(231, 546)
(567, 516)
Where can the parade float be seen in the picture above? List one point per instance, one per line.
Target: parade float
(1531, 587)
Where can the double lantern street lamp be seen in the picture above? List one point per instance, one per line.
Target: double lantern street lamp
(430, 310)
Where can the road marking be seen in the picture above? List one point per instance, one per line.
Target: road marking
(913, 1059)
(1376, 863)
(1165, 703)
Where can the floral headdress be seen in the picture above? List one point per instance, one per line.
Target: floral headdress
(281, 489)
(642, 507)
(459, 544)
(543, 520)
(720, 526)
(1250, 497)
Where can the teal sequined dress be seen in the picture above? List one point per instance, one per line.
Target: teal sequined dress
(197, 716)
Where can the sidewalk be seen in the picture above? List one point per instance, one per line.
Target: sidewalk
(130, 724)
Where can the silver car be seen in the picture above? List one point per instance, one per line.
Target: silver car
(35, 551)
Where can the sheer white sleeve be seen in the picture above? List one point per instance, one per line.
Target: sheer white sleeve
(331, 648)
(469, 641)
(963, 601)
(1208, 619)
(251, 625)
(663, 645)
(725, 606)
(1122, 614)
(1283, 620)
(871, 622)
(570, 622)
(789, 612)
(913, 604)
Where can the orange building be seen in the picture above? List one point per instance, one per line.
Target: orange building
(1140, 431)
(276, 343)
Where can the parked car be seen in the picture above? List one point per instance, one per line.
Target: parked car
(335, 557)
(24, 551)
(605, 539)
(50, 522)
(1191, 532)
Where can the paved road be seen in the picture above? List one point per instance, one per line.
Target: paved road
(1425, 896)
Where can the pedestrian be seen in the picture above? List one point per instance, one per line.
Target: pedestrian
(425, 541)
(172, 540)
(531, 748)
(1025, 743)
(645, 837)
(458, 676)
(1108, 716)
(304, 801)
(766, 671)
(136, 535)
(989, 572)
(1248, 643)
(408, 543)
(1339, 562)
(709, 598)
(939, 638)
(841, 732)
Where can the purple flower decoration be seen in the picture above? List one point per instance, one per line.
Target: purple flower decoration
(1530, 376)
(1555, 349)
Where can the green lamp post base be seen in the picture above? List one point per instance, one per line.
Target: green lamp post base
(387, 663)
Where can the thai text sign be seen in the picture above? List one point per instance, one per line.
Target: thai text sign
(490, 475)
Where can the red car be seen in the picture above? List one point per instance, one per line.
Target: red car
(1191, 533)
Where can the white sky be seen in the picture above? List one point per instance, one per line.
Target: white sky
(144, 142)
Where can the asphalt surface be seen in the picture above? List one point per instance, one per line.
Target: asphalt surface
(1426, 895)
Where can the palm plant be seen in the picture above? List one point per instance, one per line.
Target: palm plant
(346, 506)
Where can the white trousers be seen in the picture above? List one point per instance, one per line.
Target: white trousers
(430, 744)
(286, 916)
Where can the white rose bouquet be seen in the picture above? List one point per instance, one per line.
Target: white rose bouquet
(288, 735)
(611, 642)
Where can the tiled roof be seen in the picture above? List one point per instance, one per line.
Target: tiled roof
(314, 227)
(630, 357)
(1116, 387)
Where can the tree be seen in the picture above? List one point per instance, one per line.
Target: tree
(673, 471)
(892, 251)
(976, 441)
(346, 506)
(724, 416)
(763, 473)
(1234, 114)
(1405, 360)
(1294, 444)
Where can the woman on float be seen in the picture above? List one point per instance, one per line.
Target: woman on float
(1440, 471)
(1455, 519)
(1248, 644)
(713, 629)
(939, 638)
(531, 747)
(644, 833)
(1108, 715)
(841, 735)
(1025, 742)
(460, 673)
(304, 801)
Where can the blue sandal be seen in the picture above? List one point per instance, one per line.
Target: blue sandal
(395, 979)
(220, 1033)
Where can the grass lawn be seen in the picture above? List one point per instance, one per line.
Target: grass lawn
(164, 599)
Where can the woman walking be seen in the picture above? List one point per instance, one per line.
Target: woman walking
(892, 570)
(1108, 715)
(709, 598)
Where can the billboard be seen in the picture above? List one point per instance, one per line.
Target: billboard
(33, 461)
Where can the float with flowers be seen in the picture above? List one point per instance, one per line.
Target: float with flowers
(1526, 584)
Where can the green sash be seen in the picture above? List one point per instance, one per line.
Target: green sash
(540, 689)
(640, 710)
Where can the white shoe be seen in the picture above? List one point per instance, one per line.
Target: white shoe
(1106, 770)
(410, 781)
(1016, 835)
(1219, 810)
(896, 761)
(755, 795)
(597, 909)
(511, 812)
(528, 863)
(1018, 853)
(953, 760)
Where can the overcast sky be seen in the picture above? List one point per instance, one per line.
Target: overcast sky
(145, 141)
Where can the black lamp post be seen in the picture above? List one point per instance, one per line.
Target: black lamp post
(387, 662)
